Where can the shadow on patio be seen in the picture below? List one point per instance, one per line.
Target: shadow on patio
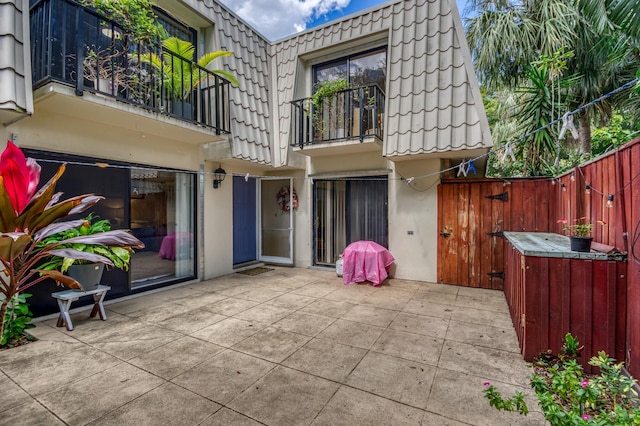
(289, 346)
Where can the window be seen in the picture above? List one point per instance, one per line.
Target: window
(361, 69)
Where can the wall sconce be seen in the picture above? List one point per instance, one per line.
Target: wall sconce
(218, 176)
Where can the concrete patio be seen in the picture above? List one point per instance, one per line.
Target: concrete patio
(287, 347)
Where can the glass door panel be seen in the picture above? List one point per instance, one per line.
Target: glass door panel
(276, 221)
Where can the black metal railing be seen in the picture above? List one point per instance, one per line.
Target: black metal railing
(355, 113)
(74, 45)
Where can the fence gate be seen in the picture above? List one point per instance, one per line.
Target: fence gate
(470, 224)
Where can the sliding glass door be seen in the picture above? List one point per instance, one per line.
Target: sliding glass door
(277, 204)
(346, 211)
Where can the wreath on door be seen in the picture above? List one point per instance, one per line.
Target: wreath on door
(283, 199)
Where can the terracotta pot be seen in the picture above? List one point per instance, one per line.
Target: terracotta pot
(580, 244)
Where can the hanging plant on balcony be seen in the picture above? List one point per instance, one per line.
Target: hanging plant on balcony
(284, 196)
(136, 17)
(325, 105)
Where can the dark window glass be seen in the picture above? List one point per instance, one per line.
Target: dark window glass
(360, 70)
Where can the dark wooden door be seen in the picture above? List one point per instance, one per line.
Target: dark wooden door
(470, 221)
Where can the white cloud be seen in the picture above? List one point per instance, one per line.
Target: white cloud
(279, 18)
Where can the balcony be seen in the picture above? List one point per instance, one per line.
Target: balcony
(76, 47)
(349, 122)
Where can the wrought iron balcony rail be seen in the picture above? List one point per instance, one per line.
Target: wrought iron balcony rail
(74, 45)
(355, 113)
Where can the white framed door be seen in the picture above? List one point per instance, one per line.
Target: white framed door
(276, 220)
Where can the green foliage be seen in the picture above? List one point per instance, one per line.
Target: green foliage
(119, 256)
(568, 397)
(324, 103)
(135, 16)
(17, 318)
(618, 131)
(327, 90)
(515, 403)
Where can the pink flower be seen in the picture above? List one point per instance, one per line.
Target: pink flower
(562, 220)
(585, 383)
(586, 417)
(20, 176)
(486, 383)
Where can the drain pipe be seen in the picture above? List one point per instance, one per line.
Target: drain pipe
(201, 225)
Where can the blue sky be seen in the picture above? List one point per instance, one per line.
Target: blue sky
(280, 18)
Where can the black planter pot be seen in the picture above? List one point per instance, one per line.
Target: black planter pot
(87, 275)
(581, 244)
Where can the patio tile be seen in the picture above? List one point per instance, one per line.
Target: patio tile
(292, 301)
(459, 396)
(163, 361)
(353, 407)
(327, 359)
(228, 332)
(484, 301)
(285, 397)
(314, 290)
(272, 344)
(370, 315)
(435, 297)
(426, 287)
(88, 399)
(328, 308)
(420, 324)
(191, 321)
(404, 284)
(394, 378)
(12, 394)
(259, 295)
(431, 419)
(348, 294)
(224, 376)
(267, 314)
(230, 306)
(483, 335)
(135, 341)
(44, 373)
(304, 323)
(134, 304)
(40, 349)
(387, 302)
(160, 312)
(410, 346)
(200, 299)
(429, 308)
(483, 316)
(352, 333)
(226, 417)
(166, 405)
(45, 332)
(29, 413)
(506, 367)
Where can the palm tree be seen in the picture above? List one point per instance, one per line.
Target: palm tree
(507, 36)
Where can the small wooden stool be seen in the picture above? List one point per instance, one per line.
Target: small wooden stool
(66, 297)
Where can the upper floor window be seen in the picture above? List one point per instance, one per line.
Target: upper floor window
(175, 28)
(360, 69)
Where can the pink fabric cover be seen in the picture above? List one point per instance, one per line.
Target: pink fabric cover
(171, 241)
(365, 261)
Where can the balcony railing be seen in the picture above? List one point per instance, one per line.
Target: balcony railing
(74, 45)
(354, 113)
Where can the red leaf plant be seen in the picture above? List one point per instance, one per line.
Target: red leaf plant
(28, 217)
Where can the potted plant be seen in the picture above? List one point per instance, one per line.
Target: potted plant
(104, 70)
(579, 233)
(28, 217)
(86, 272)
(181, 74)
(325, 108)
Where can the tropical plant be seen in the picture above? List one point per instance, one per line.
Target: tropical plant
(181, 74)
(324, 104)
(136, 17)
(17, 319)
(119, 256)
(28, 217)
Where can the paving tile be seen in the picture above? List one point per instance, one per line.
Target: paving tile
(224, 376)
(404, 284)
(191, 321)
(432, 419)
(487, 302)
(483, 335)
(226, 417)
(314, 290)
(410, 346)
(12, 394)
(329, 308)
(506, 367)
(230, 306)
(420, 324)
(459, 396)
(353, 407)
(387, 302)
(352, 333)
(86, 400)
(135, 341)
(272, 344)
(165, 405)
(428, 308)
(326, 358)
(176, 357)
(426, 287)
(394, 378)
(267, 314)
(304, 323)
(228, 332)
(160, 312)
(483, 316)
(29, 413)
(42, 374)
(259, 295)
(37, 350)
(370, 315)
(137, 303)
(285, 397)
(292, 301)
(351, 294)
(436, 297)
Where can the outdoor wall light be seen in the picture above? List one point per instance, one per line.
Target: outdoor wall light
(218, 176)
